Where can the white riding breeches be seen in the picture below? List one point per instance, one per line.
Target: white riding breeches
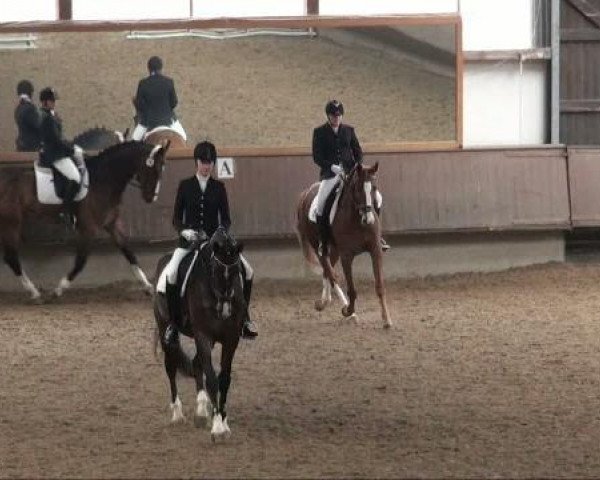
(247, 268)
(173, 264)
(139, 131)
(67, 167)
(325, 188)
(378, 199)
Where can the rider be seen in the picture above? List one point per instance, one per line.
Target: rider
(27, 117)
(155, 102)
(336, 150)
(201, 206)
(58, 152)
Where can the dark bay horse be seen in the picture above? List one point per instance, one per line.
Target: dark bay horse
(110, 172)
(213, 310)
(356, 229)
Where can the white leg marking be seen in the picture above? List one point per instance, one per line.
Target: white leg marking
(219, 427)
(203, 406)
(63, 285)
(29, 286)
(341, 295)
(326, 293)
(177, 411)
(141, 276)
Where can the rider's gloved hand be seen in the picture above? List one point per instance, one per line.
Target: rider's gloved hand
(337, 169)
(78, 155)
(189, 235)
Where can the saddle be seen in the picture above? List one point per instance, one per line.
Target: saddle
(51, 185)
(187, 264)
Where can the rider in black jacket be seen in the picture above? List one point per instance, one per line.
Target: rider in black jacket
(201, 206)
(27, 118)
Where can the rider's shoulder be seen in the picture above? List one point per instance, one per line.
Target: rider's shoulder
(321, 128)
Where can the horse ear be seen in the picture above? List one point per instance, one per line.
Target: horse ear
(240, 247)
(375, 168)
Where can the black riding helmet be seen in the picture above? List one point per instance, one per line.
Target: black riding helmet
(25, 87)
(48, 93)
(334, 107)
(205, 152)
(155, 64)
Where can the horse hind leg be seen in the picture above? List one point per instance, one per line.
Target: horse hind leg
(175, 405)
(11, 258)
(376, 259)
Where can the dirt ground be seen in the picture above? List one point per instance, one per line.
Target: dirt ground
(484, 375)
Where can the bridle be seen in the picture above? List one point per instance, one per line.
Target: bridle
(225, 297)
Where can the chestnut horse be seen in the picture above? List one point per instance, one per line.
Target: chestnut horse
(356, 229)
(109, 174)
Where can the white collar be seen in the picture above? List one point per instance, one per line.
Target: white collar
(25, 97)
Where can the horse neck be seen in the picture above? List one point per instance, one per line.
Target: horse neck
(113, 173)
(347, 208)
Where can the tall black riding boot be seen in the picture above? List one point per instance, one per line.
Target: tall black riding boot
(173, 307)
(249, 329)
(323, 235)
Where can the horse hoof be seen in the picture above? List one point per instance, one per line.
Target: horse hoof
(346, 312)
(387, 325)
(37, 300)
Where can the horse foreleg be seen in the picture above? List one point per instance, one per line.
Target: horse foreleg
(11, 257)
(203, 364)
(377, 260)
(81, 255)
(336, 287)
(348, 310)
(325, 295)
(115, 229)
(227, 353)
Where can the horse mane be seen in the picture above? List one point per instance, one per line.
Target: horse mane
(96, 138)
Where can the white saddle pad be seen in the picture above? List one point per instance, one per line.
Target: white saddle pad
(312, 211)
(44, 183)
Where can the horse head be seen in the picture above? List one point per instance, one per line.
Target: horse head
(151, 168)
(362, 187)
(225, 264)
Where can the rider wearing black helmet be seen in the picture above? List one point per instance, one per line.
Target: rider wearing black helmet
(155, 102)
(28, 118)
(335, 150)
(56, 151)
(201, 207)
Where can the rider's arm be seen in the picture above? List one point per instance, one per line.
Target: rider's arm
(355, 146)
(53, 139)
(179, 209)
(172, 96)
(224, 209)
(317, 151)
(140, 104)
(32, 117)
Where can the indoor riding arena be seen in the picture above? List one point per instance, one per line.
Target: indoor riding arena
(491, 365)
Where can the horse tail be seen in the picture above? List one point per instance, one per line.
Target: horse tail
(307, 250)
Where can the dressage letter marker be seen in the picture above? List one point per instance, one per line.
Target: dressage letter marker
(225, 167)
